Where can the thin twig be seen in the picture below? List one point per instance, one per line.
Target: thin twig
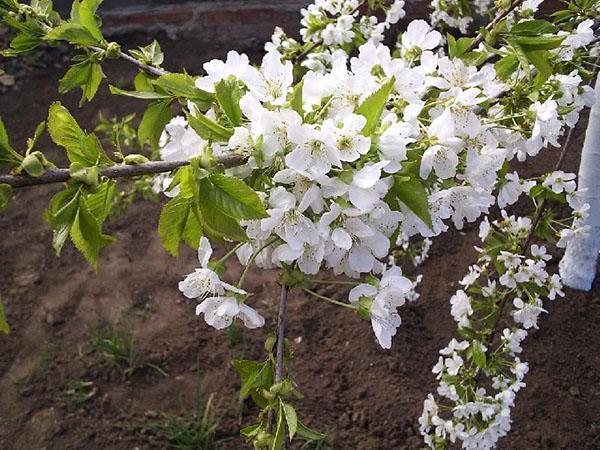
(122, 171)
(157, 71)
(499, 17)
(279, 355)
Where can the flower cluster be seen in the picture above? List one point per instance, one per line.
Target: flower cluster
(377, 145)
(468, 410)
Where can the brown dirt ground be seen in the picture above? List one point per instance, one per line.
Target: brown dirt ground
(366, 398)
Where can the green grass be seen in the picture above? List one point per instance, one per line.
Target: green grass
(117, 346)
(79, 392)
(193, 430)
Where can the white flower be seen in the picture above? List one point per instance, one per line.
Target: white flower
(179, 142)
(219, 312)
(204, 281)
(236, 65)
(395, 13)
(461, 308)
(527, 313)
(385, 298)
(288, 222)
(560, 181)
(419, 35)
(511, 190)
(345, 136)
(311, 153)
(272, 83)
(339, 32)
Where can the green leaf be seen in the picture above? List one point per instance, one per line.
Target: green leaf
(279, 436)
(310, 435)
(537, 42)
(228, 93)
(61, 214)
(150, 54)
(6, 194)
(412, 193)
(533, 28)
(183, 85)
(253, 375)
(521, 56)
(143, 95)
(235, 198)
(63, 128)
(541, 60)
(250, 432)
(193, 231)
(81, 148)
(507, 66)
(4, 328)
(88, 20)
(297, 101)
(156, 116)
(373, 106)
(172, 223)
(141, 82)
(32, 166)
(478, 354)
(8, 156)
(291, 418)
(87, 236)
(23, 42)
(86, 75)
(457, 48)
(207, 128)
(100, 202)
(73, 33)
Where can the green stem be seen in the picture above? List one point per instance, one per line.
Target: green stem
(327, 299)
(253, 257)
(344, 282)
(230, 252)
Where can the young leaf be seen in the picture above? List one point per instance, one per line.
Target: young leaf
(61, 214)
(279, 437)
(533, 28)
(172, 223)
(207, 128)
(144, 95)
(6, 194)
(73, 33)
(8, 156)
(412, 193)
(373, 106)
(81, 148)
(150, 54)
(63, 128)
(291, 418)
(100, 202)
(310, 435)
(217, 225)
(4, 328)
(87, 236)
(478, 354)
(297, 99)
(183, 85)
(228, 93)
(88, 19)
(234, 198)
(156, 116)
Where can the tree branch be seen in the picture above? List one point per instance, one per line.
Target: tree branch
(501, 15)
(121, 171)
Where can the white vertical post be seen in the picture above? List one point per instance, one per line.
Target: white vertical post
(578, 266)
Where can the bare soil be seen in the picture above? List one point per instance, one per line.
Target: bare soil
(363, 396)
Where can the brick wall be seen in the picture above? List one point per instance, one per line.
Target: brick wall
(214, 21)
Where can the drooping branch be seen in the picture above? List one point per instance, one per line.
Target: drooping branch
(51, 176)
